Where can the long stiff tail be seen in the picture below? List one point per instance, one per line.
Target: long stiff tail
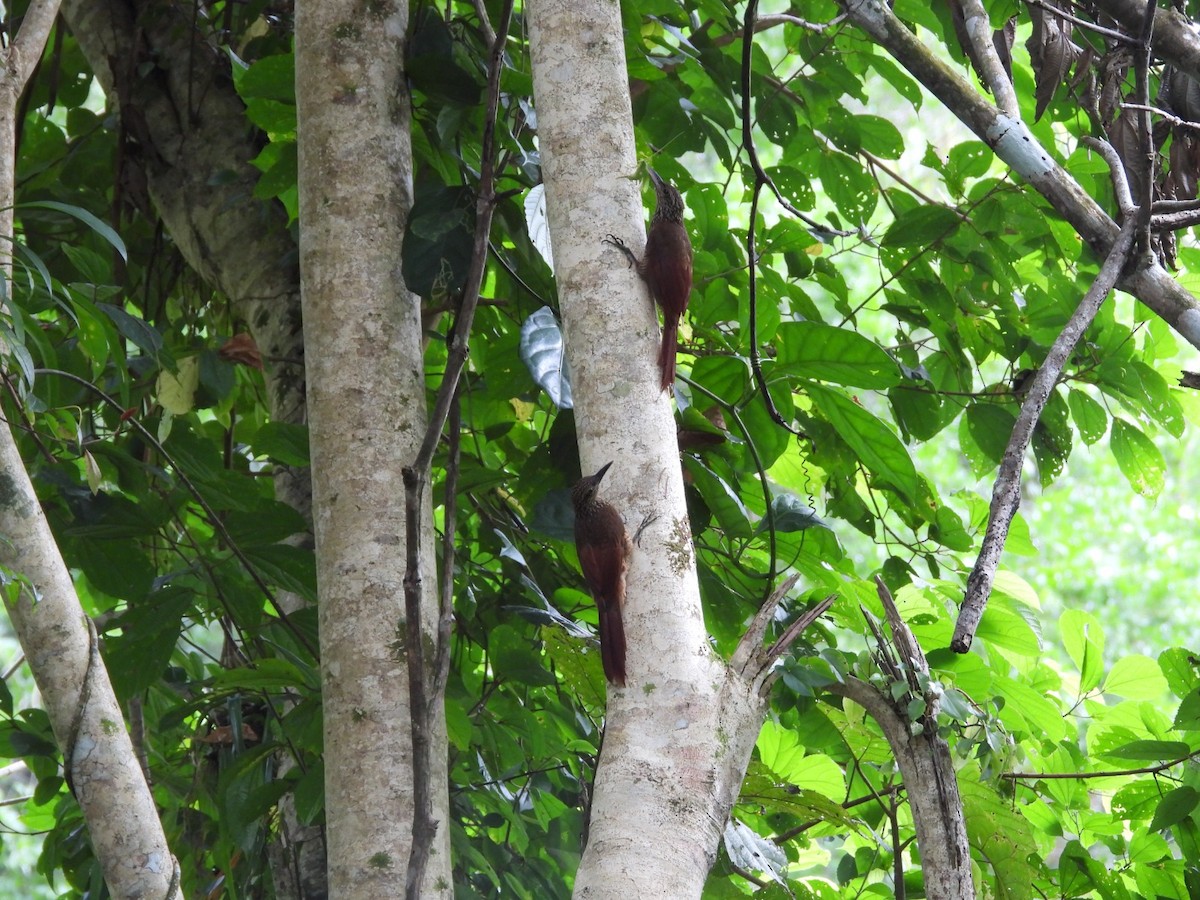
(666, 353)
(612, 641)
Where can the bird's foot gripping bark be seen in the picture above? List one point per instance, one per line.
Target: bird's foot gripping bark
(647, 520)
(613, 241)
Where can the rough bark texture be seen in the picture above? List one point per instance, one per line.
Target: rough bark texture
(367, 418)
(678, 738)
(55, 634)
(922, 756)
(928, 772)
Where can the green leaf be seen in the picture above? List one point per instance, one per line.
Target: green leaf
(876, 444)
(269, 78)
(149, 630)
(921, 226)
(1001, 835)
(820, 351)
(726, 376)
(1181, 669)
(1152, 750)
(265, 675)
(310, 794)
(721, 498)
(101, 228)
(439, 239)
(291, 568)
(1090, 417)
(1029, 711)
(1176, 805)
(1083, 639)
(514, 655)
(136, 330)
(1136, 677)
(282, 442)
(268, 523)
(847, 185)
(18, 740)
(990, 427)
(1188, 716)
(781, 752)
(1138, 459)
(119, 569)
(1008, 630)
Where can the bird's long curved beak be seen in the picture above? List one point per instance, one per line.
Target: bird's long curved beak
(655, 177)
(599, 475)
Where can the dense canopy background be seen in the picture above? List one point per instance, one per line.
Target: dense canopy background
(874, 291)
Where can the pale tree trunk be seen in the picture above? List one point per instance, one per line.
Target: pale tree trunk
(366, 406)
(677, 740)
(56, 635)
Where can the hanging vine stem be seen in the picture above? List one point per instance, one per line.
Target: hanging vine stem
(417, 476)
(768, 499)
(760, 179)
(1145, 128)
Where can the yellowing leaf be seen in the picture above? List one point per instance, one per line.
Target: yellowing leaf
(176, 391)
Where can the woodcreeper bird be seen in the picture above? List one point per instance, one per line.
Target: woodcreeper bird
(666, 267)
(604, 550)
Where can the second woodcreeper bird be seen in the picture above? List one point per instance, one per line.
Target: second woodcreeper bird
(604, 550)
(666, 267)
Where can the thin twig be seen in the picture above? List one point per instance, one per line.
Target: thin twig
(1083, 776)
(1174, 206)
(1109, 153)
(1166, 116)
(417, 478)
(1120, 36)
(441, 664)
(1145, 127)
(760, 179)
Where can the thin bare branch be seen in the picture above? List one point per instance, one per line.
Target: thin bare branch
(417, 478)
(1006, 494)
(1145, 128)
(1120, 36)
(1120, 183)
(31, 40)
(979, 32)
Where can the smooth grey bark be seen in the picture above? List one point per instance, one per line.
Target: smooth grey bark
(367, 418)
(678, 738)
(56, 635)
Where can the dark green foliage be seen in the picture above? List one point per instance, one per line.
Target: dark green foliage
(894, 326)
